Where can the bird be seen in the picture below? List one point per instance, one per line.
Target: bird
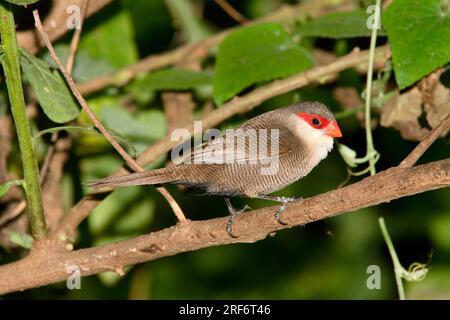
(263, 155)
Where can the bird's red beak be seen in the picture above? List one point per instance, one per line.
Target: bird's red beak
(333, 130)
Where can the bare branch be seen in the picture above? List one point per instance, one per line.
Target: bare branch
(47, 265)
(231, 11)
(423, 146)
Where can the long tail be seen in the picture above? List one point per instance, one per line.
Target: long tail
(157, 176)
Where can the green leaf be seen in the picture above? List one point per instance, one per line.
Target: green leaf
(85, 67)
(147, 127)
(22, 2)
(255, 54)
(113, 39)
(418, 32)
(338, 25)
(192, 26)
(21, 239)
(4, 188)
(171, 79)
(51, 90)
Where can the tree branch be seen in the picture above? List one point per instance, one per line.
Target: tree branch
(420, 149)
(44, 266)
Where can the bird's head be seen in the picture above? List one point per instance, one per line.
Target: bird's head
(314, 124)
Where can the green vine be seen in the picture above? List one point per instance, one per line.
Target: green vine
(10, 60)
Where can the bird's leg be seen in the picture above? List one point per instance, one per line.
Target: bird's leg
(283, 200)
(233, 214)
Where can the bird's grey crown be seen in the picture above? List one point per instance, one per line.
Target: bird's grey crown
(311, 107)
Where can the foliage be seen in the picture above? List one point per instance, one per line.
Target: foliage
(51, 91)
(426, 47)
(256, 54)
(337, 25)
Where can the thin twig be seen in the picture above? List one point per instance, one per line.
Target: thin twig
(128, 159)
(232, 12)
(76, 38)
(423, 146)
(48, 265)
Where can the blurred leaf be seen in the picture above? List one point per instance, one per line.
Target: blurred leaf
(129, 148)
(65, 128)
(439, 105)
(112, 40)
(118, 203)
(152, 24)
(51, 90)
(4, 188)
(137, 218)
(21, 239)
(418, 33)
(439, 227)
(171, 79)
(149, 125)
(155, 123)
(402, 112)
(193, 27)
(254, 54)
(109, 278)
(22, 2)
(85, 67)
(338, 25)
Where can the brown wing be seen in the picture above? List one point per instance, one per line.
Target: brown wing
(251, 144)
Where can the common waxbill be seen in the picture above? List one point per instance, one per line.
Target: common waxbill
(296, 139)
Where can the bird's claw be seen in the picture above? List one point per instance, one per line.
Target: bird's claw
(284, 201)
(230, 226)
(245, 208)
(233, 214)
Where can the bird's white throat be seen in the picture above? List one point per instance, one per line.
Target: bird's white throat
(315, 140)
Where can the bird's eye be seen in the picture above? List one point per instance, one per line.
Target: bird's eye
(316, 122)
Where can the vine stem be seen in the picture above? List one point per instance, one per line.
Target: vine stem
(398, 268)
(371, 153)
(11, 66)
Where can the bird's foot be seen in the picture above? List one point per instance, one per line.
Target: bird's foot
(284, 201)
(233, 214)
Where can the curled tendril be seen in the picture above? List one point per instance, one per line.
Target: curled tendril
(416, 272)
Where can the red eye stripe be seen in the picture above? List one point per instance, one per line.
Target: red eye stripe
(312, 118)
